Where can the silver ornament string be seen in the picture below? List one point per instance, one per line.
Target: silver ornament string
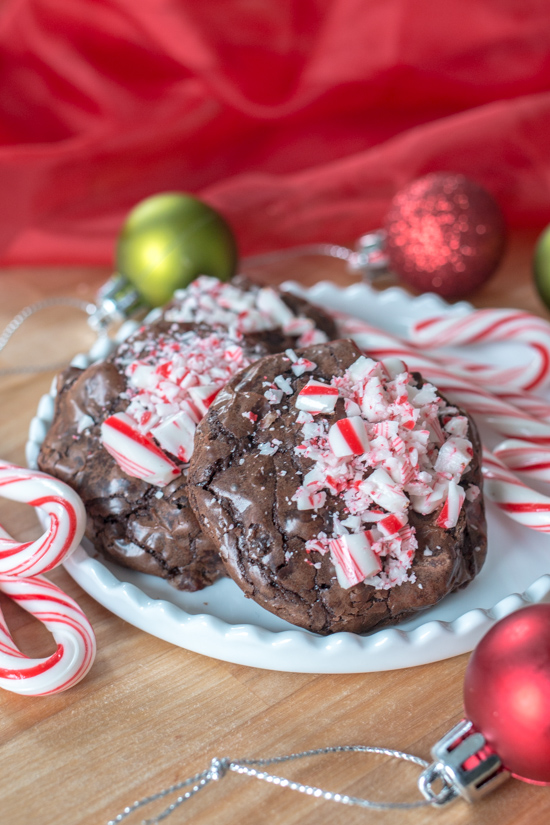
(326, 250)
(368, 259)
(26, 312)
(253, 767)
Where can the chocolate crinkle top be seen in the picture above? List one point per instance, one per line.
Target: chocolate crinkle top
(342, 493)
(123, 429)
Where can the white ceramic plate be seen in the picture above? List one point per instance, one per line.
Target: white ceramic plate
(220, 622)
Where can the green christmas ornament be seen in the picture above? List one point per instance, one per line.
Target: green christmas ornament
(166, 242)
(170, 239)
(541, 266)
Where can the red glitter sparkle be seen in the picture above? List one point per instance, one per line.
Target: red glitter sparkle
(445, 234)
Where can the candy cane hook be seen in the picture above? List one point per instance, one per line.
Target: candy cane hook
(20, 562)
(66, 514)
(70, 628)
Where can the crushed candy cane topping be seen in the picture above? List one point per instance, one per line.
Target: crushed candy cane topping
(174, 378)
(240, 311)
(389, 454)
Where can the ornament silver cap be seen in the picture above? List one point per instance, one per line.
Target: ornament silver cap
(370, 257)
(465, 765)
(116, 300)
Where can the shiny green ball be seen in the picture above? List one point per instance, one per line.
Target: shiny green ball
(170, 239)
(541, 266)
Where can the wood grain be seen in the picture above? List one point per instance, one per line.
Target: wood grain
(149, 714)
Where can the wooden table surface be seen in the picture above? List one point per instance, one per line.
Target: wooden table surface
(149, 714)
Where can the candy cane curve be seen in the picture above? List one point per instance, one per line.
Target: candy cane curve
(498, 380)
(70, 628)
(489, 325)
(507, 419)
(67, 520)
(533, 405)
(524, 457)
(513, 497)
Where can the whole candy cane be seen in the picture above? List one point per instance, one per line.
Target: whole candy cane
(516, 499)
(490, 325)
(70, 628)
(67, 520)
(502, 416)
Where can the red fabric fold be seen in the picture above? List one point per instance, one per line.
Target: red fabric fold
(299, 119)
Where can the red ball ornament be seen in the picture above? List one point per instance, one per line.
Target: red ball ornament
(507, 692)
(444, 234)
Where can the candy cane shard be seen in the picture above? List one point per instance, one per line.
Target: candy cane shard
(76, 646)
(308, 499)
(317, 397)
(176, 435)
(67, 520)
(273, 306)
(353, 559)
(135, 453)
(384, 491)
(524, 457)
(513, 497)
(349, 436)
(448, 516)
(203, 396)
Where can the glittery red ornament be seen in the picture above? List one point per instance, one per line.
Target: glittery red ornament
(445, 234)
(507, 692)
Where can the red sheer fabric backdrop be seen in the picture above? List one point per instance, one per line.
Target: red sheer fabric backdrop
(298, 119)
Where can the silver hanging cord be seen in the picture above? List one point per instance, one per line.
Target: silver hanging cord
(368, 258)
(86, 306)
(324, 249)
(253, 767)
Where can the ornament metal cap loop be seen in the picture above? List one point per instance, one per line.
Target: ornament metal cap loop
(115, 300)
(370, 257)
(465, 765)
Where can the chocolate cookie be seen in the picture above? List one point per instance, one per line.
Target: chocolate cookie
(343, 494)
(122, 433)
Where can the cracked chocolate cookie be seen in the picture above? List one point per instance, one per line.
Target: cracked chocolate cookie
(123, 429)
(343, 494)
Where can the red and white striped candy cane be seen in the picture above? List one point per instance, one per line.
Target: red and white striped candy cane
(67, 520)
(513, 497)
(20, 562)
(524, 457)
(497, 380)
(531, 404)
(505, 418)
(70, 628)
(487, 326)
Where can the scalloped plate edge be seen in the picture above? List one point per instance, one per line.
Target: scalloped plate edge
(250, 645)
